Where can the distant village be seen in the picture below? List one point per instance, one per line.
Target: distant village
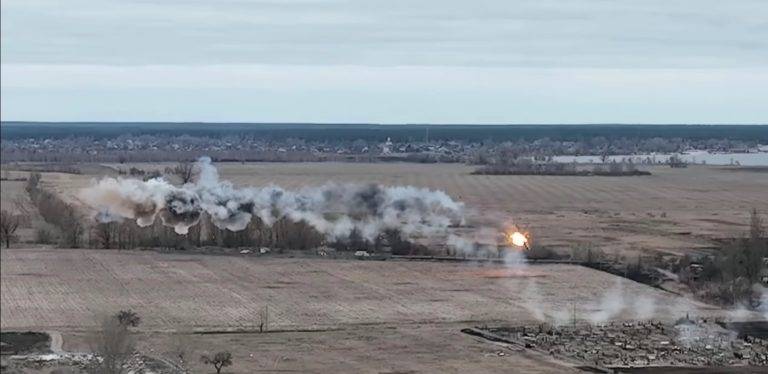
(143, 148)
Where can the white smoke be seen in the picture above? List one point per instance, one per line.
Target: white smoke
(611, 304)
(334, 210)
(482, 241)
(763, 307)
(644, 307)
(532, 301)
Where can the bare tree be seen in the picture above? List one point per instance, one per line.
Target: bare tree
(9, 223)
(23, 206)
(72, 227)
(104, 234)
(113, 344)
(185, 171)
(264, 319)
(756, 229)
(219, 360)
(604, 155)
(756, 248)
(33, 182)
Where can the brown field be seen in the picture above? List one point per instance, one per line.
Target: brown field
(384, 317)
(11, 189)
(12, 194)
(227, 292)
(325, 315)
(387, 349)
(671, 211)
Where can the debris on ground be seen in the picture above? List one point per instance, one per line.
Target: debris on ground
(86, 363)
(642, 343)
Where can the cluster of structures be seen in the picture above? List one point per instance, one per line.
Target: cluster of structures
(642, 343)
(167, 147)
(237, 148)
(84, 363)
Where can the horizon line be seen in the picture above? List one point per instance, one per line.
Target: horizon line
(385, 124)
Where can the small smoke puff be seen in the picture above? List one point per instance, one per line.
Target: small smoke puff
(514, 258)
(532, 301)
(561, 317)
(644, 307)
(610, 306)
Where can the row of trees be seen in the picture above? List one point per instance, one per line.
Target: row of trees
(509, 162)
(65, 217)
(283, 234)
(67, 223)
(72, 229)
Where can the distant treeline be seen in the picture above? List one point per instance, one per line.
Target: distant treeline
(505, 162)
(375, 132)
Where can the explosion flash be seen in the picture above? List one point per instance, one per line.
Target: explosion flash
(518, 239)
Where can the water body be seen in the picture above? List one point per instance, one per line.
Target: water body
(743, 159)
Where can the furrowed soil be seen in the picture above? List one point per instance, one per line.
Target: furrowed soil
(65, 289)
(323, 315)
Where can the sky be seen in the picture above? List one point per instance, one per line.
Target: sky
(392, 61)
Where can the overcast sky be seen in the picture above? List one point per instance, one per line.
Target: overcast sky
(439, 61)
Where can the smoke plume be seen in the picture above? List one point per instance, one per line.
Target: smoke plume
(334, 210)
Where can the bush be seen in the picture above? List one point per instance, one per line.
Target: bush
(542, 253)
(587, 253)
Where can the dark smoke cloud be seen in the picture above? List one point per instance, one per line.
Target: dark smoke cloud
(335, 210)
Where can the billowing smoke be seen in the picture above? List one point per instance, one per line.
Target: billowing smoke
(334, 210)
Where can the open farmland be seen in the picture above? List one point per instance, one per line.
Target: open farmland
(324, 315)
(65, 289)
(671, 211)
(12, 190)
(15, 200)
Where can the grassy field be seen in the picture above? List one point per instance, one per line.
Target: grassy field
(672, 211)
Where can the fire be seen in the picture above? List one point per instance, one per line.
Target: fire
(518, 239)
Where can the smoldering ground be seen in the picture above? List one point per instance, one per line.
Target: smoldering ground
(334, 210)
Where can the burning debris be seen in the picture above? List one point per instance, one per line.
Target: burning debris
(518, 239)
(639, 343)
(334, 210)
